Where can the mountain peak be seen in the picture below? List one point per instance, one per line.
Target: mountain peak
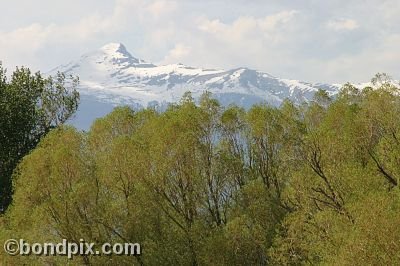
(117, 53)
(116, 48)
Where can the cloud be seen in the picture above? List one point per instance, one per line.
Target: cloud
(161, 7)
(22, 46)
(23, 43)
(273, 21)
(292, 39)
(179, 52)
(342, 24)
(212, 26)
(33, 35)
(247, 23)
(250, 41)
(248, 33)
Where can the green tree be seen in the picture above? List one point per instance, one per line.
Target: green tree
(30, 106)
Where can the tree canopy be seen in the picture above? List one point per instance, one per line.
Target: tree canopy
(30, 106)
(207, 185)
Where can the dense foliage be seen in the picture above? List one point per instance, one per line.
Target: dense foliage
(207, 185)
(30, 105)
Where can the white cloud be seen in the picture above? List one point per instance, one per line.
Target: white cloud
(22, 45)
(342, 24)
(175, 55)
(247, 23)
(248, 32)
(160, 7)
(212, 26)
(255, 42)
(280, 37)
(33, 35)
(273, 21)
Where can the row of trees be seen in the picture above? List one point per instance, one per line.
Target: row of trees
(207, 185)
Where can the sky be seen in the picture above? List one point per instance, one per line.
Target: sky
(331, 41)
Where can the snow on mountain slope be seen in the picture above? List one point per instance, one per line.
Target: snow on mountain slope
(111, 76)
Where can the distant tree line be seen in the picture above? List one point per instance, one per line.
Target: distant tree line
(211, 185)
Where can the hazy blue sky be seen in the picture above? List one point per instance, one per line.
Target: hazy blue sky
(327, 41)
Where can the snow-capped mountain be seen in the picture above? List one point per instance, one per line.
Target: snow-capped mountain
(111, 76)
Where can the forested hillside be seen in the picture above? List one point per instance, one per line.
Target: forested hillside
(315, 184)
